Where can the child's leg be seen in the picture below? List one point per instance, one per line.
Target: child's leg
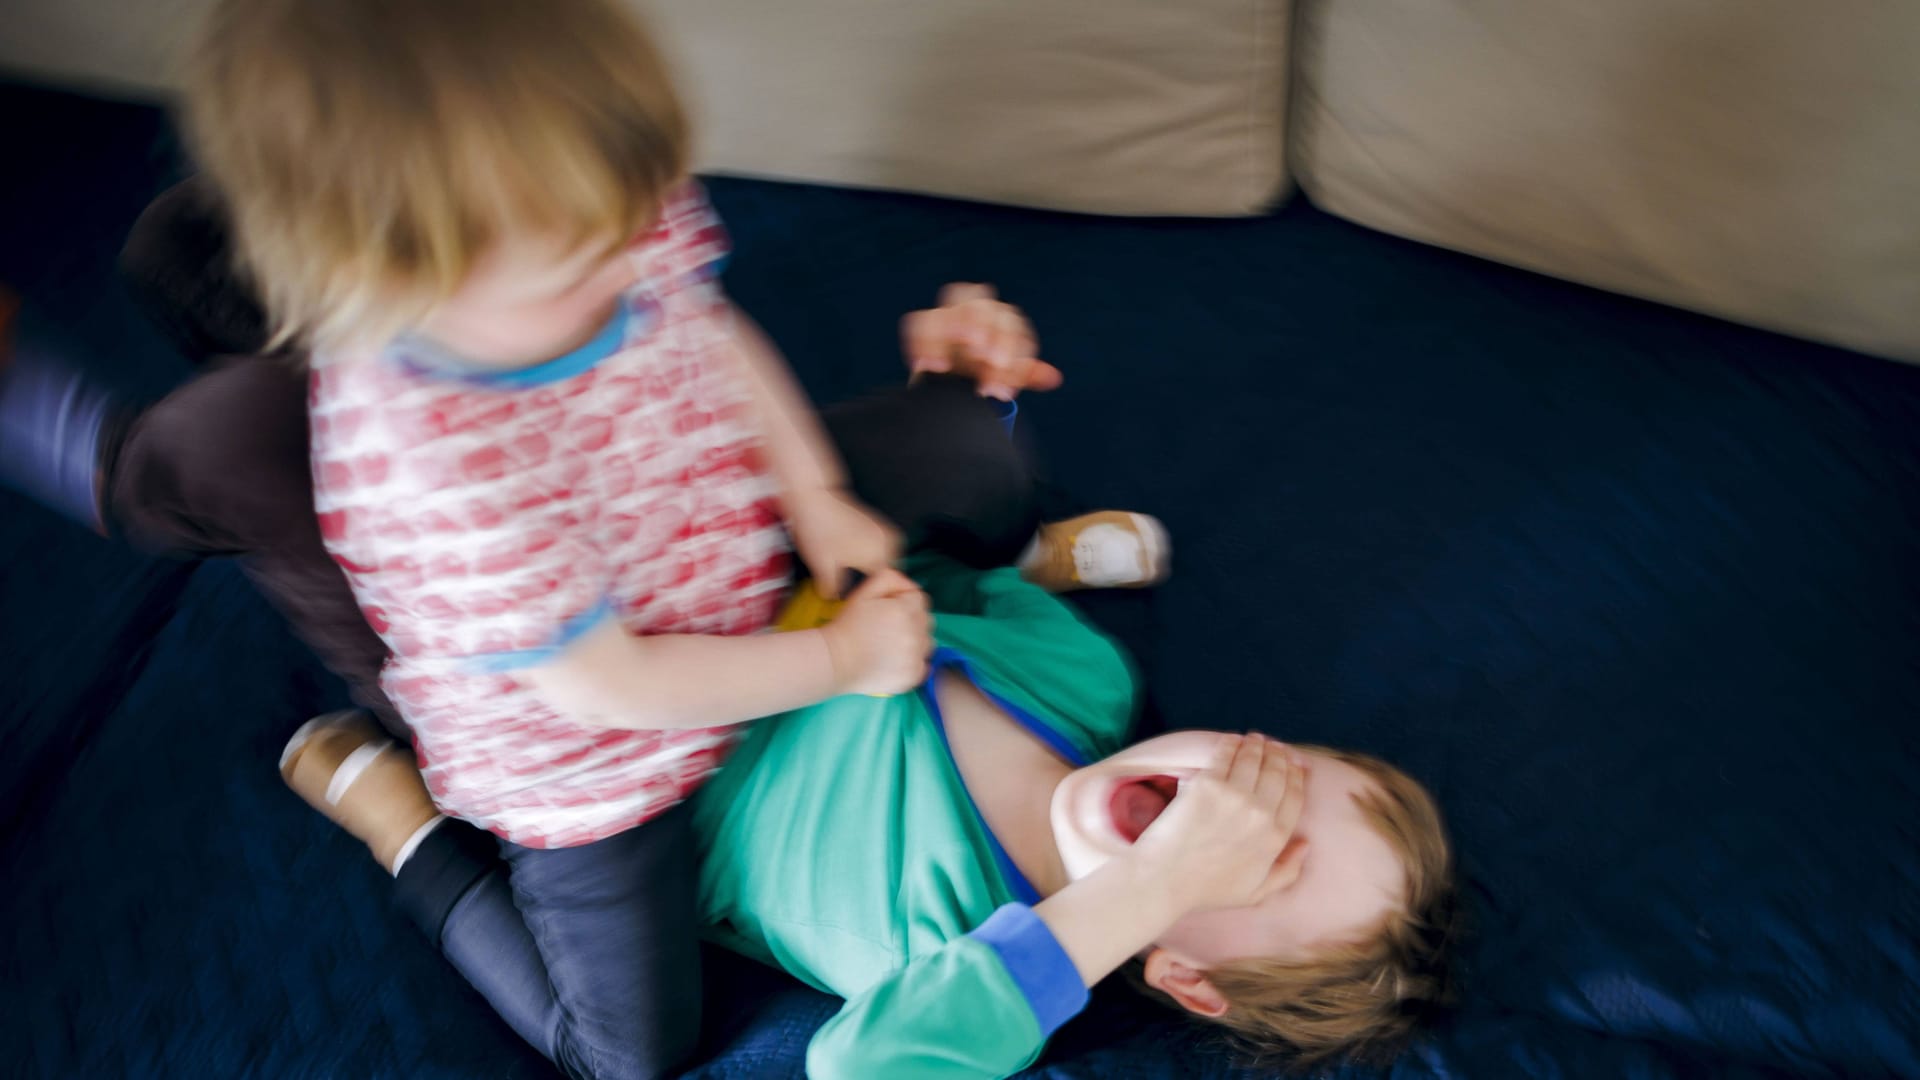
(62, 432)
(616, 924)
(589, 953)
(178, 264)
(936, 459)
(218, 467)
(56, 426)
(221, 467)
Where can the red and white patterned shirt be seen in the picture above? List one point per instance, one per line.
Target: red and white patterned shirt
(487, 520)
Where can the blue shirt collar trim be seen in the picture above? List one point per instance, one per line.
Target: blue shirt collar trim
(632, 320)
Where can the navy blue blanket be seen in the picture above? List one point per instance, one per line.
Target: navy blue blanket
(1636, 591)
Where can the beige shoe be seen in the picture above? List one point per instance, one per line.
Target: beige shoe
(348, 769)
(1108, 549)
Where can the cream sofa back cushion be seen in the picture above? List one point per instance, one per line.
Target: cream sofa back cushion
(1106, 106)
(119, 47)
(1755, 159)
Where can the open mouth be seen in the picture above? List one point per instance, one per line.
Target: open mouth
(1138, 801)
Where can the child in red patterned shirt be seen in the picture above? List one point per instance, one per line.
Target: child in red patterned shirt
(553, 460)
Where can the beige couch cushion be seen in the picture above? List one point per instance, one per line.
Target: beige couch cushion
(1108, 106)
(117, 47)
(1757, 159)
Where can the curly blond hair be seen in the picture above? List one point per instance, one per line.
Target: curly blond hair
(371, 151)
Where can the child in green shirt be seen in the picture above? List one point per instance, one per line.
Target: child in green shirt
(961, 863)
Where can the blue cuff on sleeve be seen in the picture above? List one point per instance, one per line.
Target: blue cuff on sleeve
(1007, 411)
(521, 659)
(1039, 966)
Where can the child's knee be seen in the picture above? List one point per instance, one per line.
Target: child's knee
(179, 263)
(937, 457)
(642, 1049)
(221, 464)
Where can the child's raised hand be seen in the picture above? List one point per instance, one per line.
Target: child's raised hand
(881, 640)
(1226, 840)
(976, 335)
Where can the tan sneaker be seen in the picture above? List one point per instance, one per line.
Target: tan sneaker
(1108, 549)
(348, 769)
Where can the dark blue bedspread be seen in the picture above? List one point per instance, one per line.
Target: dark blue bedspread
(1636, 591)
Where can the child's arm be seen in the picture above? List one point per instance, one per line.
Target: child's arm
(797, 446)
(985, 1004)
(832, 531)
(610, 678)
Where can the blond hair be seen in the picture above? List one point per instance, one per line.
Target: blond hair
(371, 151)
(1360, 999)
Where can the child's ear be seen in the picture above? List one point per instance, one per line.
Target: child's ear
(1183, 983)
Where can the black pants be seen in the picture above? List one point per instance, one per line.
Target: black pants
(589, 952)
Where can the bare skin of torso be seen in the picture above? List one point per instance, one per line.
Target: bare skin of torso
(1011, 776)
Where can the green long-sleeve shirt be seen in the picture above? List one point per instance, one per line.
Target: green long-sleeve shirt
(840, 844)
